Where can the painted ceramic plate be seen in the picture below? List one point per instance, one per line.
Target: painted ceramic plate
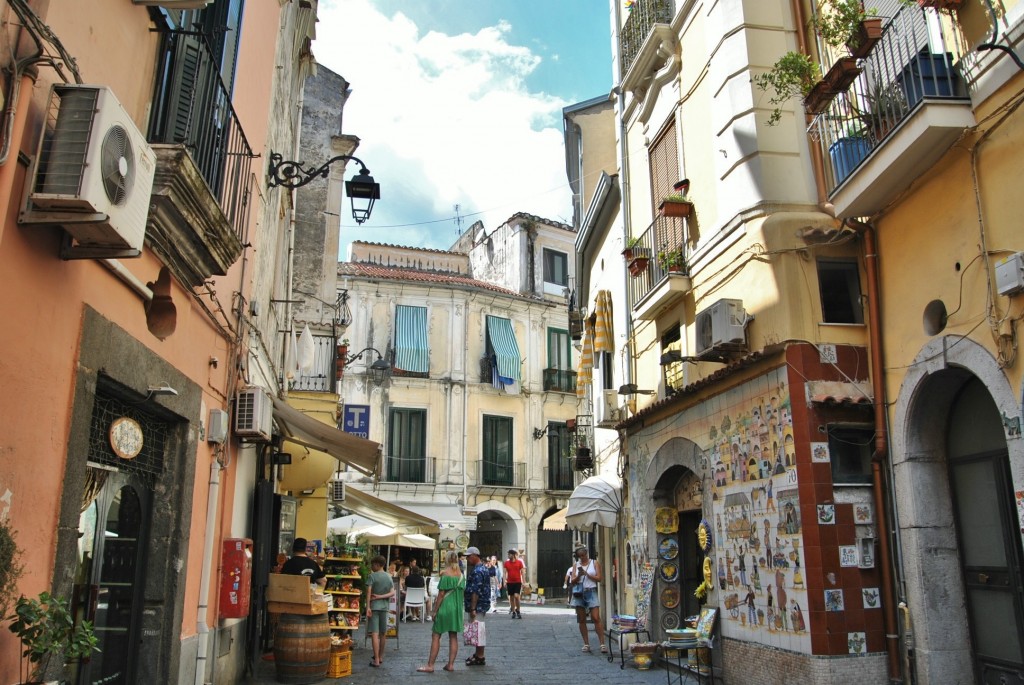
(666, 520)
(668, 571)
(462, 542)
(670, 597)
(670, 620)
(704, 536)
(668, 549)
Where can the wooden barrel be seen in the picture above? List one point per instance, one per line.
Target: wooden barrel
(302, 648)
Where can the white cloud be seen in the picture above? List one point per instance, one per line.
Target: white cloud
(443, 120)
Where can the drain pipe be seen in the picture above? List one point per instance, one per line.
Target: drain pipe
(817, 159)
(119, 270)
(881, 453)
(202, 628)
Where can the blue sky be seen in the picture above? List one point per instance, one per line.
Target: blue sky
(459, 102)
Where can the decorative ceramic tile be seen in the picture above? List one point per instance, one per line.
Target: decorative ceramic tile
(872, 598)
(819, 452)
(848, 555)
(834, 600)
(863, 513)
(826, 514)
(857, 642)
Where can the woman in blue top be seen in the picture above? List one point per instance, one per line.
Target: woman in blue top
(447, 613)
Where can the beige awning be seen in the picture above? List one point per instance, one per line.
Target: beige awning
(556, 521)
(361, 454)
(388, 513)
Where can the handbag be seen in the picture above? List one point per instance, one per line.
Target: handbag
(475, 634)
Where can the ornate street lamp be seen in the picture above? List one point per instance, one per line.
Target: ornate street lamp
(362, 190)
(378, 369)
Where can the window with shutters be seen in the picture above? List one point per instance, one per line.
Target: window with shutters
(665, 173)
(407, 446)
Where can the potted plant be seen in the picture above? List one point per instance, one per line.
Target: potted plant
(672, 260)
(10, 567)
(793, 74)
(675, 205)
(847, 152)
(642, 653)
(941, 4)
(636, 256)
(46, 628)
(880, 107)
(845, 22)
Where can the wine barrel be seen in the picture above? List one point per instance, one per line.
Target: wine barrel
(302, 648)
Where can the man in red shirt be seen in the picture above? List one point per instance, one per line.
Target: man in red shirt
(514, 568)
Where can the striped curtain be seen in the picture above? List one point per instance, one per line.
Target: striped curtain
(411, 339)
(585, 371)
(603, 334)
(505, 348)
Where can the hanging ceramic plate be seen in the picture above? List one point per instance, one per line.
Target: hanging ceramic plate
(704, 536)
(668, 571)
(666, 520)
(668, 549)
(669, 620)
(670, 597)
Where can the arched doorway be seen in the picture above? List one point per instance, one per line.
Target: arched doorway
(554, 556)
(961, 552)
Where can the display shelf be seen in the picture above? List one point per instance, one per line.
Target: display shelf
(356, 593)
(344, 571)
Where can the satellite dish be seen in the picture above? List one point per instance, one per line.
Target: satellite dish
(934, 317)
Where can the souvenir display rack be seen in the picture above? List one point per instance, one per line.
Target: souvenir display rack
(345, 586)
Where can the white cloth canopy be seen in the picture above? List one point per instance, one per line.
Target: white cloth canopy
(414, 540)
(353, 523)
(597, 500)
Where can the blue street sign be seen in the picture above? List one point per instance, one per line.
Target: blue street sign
(356, 420)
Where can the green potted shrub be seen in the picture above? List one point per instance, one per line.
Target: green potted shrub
(636, 256)
(672, 260)
(846, 22)
(675, 205)
(46, 628)
(793, 74)
(10, 567)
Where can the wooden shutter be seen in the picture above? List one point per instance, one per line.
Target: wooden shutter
(664, 160)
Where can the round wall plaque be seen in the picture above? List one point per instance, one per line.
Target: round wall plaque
(126, 437)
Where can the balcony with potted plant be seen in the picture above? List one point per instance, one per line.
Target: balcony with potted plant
(666, 280)
(637, 256)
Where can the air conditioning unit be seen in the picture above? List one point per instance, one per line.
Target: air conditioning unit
(721, 328)
(608, 410)
(93, 171)
(336, 491)
(254, 415)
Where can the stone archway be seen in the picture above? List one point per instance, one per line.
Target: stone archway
(931, 555)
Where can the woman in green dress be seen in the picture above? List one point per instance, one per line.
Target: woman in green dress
(448, 614)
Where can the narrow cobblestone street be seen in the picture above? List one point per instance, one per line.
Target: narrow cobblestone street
(543, 647)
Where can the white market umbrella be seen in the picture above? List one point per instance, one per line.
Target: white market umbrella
(353, 523)
(597, 500)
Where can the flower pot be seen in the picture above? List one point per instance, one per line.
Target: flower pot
(842, 74)
(638, 265)
(642, 661)
(675, 209)
(868, 33)
(818, 99)
(846, 154)
(941, 4)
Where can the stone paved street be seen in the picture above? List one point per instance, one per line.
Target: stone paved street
(543, 647)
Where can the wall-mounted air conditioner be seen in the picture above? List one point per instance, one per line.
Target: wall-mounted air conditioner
(336, 491)
(608, 408)
(720, 328)
(254, 415)
(93, 172)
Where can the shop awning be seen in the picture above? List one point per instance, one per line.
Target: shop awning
(840, 393)
(445, 515)
(556, 521)
(411, 339)
(597, 500)
(388, 513)
(361, 454)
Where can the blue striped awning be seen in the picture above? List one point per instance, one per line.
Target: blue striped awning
(411, 339)
(506, 350)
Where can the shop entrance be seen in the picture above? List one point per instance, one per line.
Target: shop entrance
(989, 539)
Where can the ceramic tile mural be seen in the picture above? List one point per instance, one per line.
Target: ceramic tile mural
(747, 437)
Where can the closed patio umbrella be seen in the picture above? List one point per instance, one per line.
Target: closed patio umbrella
(597, 500)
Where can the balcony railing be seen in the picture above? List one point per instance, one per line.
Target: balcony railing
(501, 474)
(909, 67)
(192, 107)
(665, 233)
(560, 478)
(409, 469)
(559, 380)
(321, 377)
(644, 15)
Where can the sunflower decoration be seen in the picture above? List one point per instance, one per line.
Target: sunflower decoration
(704, 536)
(630, 4)
(701, 592)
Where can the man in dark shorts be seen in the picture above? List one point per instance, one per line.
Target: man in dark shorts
(514, 568)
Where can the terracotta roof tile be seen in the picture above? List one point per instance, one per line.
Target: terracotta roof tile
(391, 273)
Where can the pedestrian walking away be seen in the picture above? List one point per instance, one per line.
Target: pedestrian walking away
(447, 613)
(586, 576)
(514, 568)
(477, 598)
(379, 589)
(497, 581)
